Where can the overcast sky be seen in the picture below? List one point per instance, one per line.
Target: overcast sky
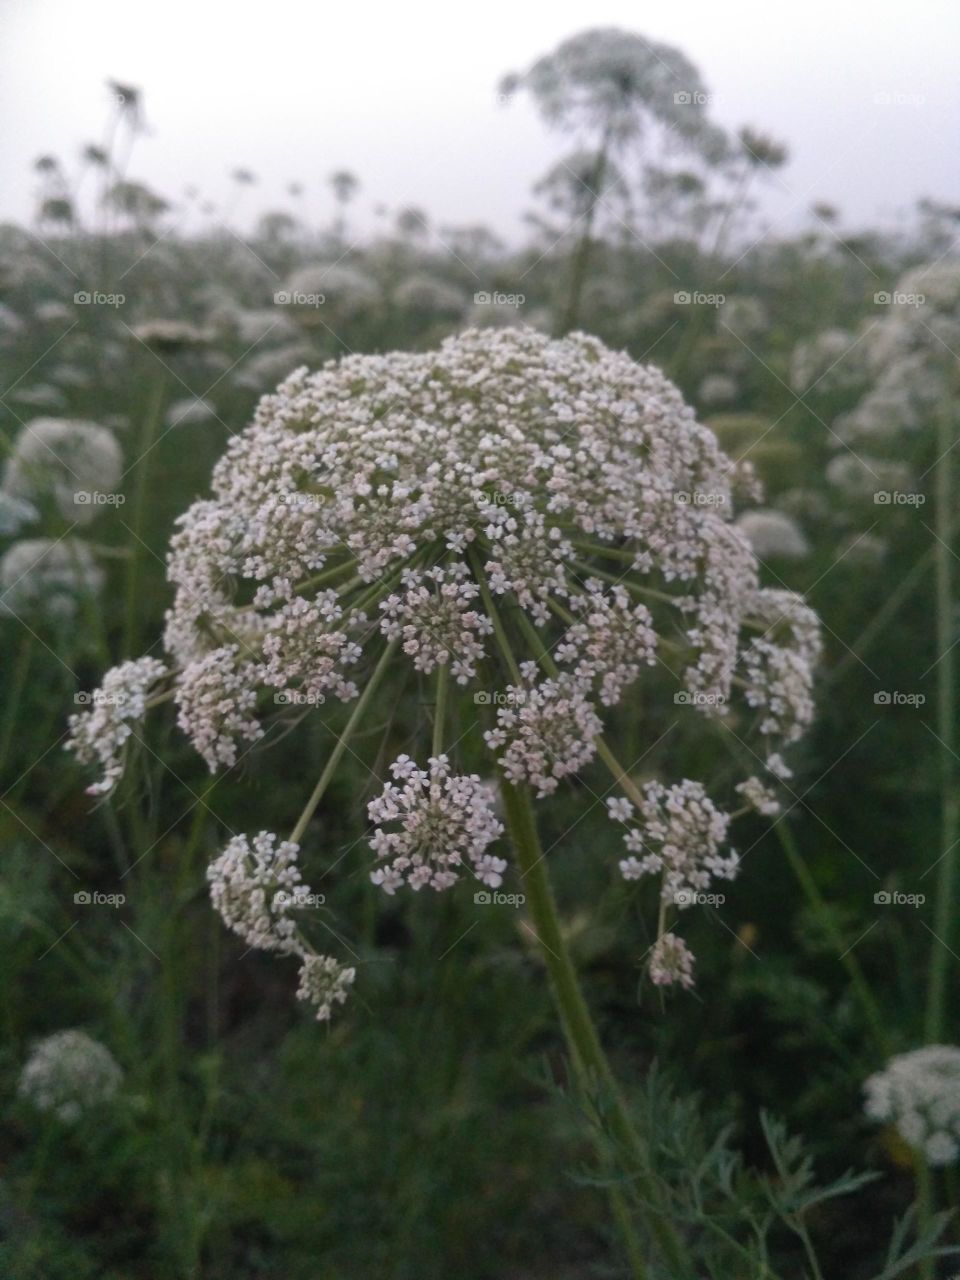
(405, 96)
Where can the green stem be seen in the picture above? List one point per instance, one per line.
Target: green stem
(924, 1183)
(814, 897)
(342, 742)
(946, 731)
(15, 690)
(146, 447)
(493, 613)
(440, 710)
(589, 1060)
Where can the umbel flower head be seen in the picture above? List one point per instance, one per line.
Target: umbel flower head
(919, 1093)
(69, 1072)
(534, 526)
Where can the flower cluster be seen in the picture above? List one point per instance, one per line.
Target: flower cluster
(679, 837)
(444, 820)
(546, 731)
(69, 1072)
(100, 735)
(437, 620)
(255, 885)
(47, 578)
(543, 518)
(64, 458)
(670, 962)
(919, 1093)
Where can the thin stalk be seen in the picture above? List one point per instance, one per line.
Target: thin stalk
(145, 445)
(15, 690)
(812, 893)
(493, 613)
(342, 742)
(581, 259)
(440, 710)
(589, 1060)
(946, 730)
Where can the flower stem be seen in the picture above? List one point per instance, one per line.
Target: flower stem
(146, 443)
(946, 730)
(343, 742)
(440, 710)
(589, 1060)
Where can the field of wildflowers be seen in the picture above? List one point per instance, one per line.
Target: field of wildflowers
(478, 746)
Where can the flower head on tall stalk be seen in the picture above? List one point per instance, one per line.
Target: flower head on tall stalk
(536, 526)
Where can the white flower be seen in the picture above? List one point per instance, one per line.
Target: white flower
(46, 578)
(919, 1094)
(759, 797)
(774, 535)
(63, 457)
(670, 962)
(444, 821)
(324, 982)
(547, 732)
(99, 735)
(255, 884)
(542, 513)
(69, 1072)
(14, 513)
(678, 837)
